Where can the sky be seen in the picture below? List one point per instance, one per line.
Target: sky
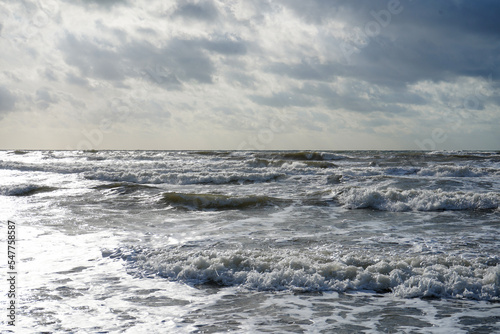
(256, 74)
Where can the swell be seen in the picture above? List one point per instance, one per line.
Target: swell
(25, 190)
(217, 201)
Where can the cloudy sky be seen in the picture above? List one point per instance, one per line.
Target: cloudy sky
(256, 74)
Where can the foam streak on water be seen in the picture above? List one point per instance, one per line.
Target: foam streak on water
(238, 241)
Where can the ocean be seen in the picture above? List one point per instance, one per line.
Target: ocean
(252, 241)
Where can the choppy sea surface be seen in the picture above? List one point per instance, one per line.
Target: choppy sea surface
(249, 242)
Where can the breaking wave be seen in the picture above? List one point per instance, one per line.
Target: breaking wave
(392, 199)
(304, 270)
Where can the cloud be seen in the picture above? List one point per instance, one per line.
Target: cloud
(423, 40)
(93, 60)
(7, 100)
(76, 80)
(178, 61)
(333, 69)
(282, 100)
(225, 46)
(44, 98)
(98, 4)
(196, 11)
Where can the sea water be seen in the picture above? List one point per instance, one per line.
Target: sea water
(265, 241)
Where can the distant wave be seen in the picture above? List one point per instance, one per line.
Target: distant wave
(19, 152)
(162, 176)
(217, 201)
(149, 174)
(434, 171)
(302, 270)
(300, 155)
(392, 199)
(261, 162)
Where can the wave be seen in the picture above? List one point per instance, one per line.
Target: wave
(24, 190)
(392, 199)
(217, 201)
(304, 270)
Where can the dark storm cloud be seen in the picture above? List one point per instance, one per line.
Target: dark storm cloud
(420, 40)
(473, 16)
(392, 44)
(412, 59)
(7, 100)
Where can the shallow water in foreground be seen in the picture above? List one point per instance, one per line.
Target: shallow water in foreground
(281, 242)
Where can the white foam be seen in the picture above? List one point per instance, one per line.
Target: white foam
(414, 276)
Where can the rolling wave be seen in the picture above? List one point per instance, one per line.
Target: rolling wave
(217, 201)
